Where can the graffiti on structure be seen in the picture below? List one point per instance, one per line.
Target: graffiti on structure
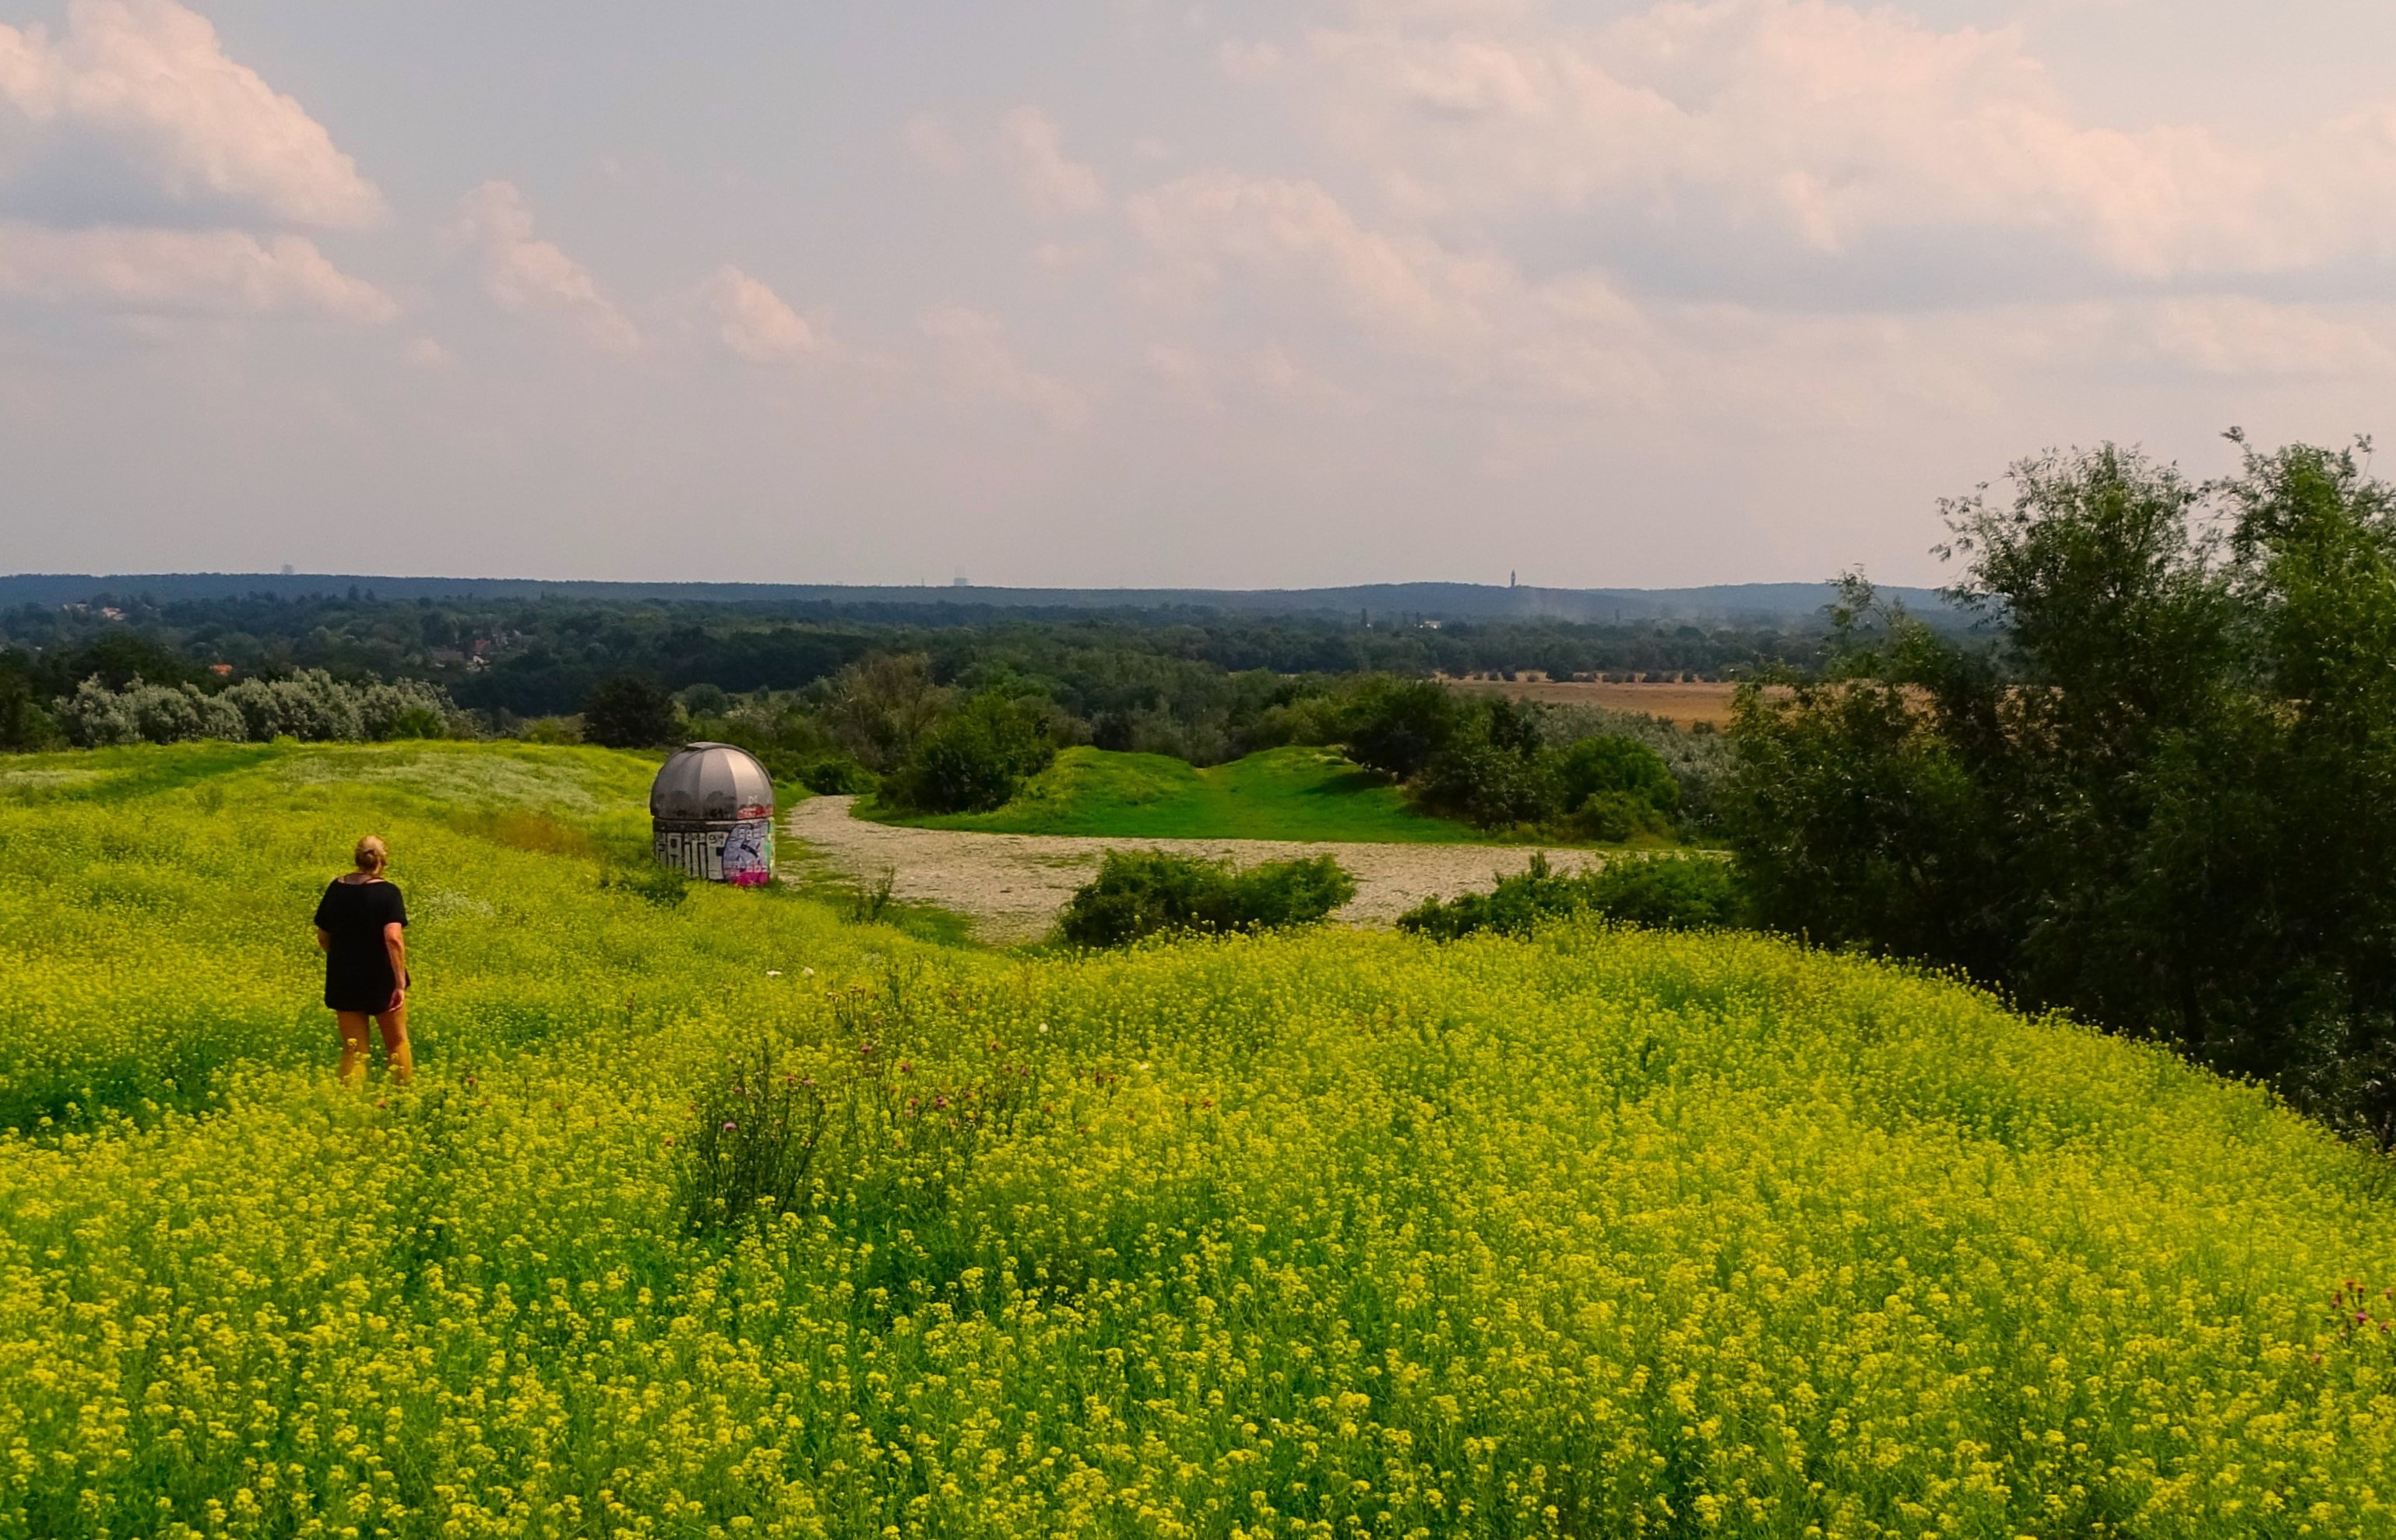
(740, 853)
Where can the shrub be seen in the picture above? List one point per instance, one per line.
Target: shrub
(1661, 893)
(836, 775)
(1614, 783)
(1669, 892)
(311, 706)
(975, 759)
(626, 712)
(757, 1128)
(1141, 892)
(1489, 786)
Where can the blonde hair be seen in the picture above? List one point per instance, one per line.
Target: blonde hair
(370, 854)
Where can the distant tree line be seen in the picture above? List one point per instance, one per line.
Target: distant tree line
(1170, 679)
(2163, 798)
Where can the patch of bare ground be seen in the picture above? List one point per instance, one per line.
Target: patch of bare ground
(1013, 886)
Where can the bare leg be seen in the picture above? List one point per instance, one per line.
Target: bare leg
(353, 1046)
(398, 1056)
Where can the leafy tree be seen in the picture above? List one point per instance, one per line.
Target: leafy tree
(24, 725)
(2165, 798)
(975, 760)
(1396, 725)
(881, 705)
(631, 712)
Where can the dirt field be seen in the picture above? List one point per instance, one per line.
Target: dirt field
(1013, 884)
(1684, 704)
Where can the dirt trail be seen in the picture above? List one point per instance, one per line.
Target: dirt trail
(1013, 884)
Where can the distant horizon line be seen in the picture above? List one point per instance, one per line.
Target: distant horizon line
(954, 585)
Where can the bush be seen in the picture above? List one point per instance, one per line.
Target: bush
(1488, 787)
(1617, 786)
(1670, 893)
(836, 775)
(757, 1125)
(1661, 893)
(974, 759)
(626, 712)
(311, 706)
(1141, 892)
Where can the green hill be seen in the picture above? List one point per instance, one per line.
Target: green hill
(1330, 1234)
(1280, 794)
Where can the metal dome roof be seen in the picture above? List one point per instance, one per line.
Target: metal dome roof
(712, 782)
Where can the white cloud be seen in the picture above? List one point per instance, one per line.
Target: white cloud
(167, 272)
(754, 322)
(1049, 181)
(147, 83)
(1825, 124)
(1406, 288)
(976, 357)
(530, 276)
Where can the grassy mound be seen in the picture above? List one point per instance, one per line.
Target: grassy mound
(1340, 1234)
(1280, 794)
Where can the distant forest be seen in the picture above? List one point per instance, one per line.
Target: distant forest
(528, 658)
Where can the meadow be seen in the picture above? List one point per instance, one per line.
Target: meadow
(1290, 793)
(1326, 1234)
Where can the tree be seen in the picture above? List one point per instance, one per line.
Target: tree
(2165, 799)
(977, 757)
(1396, 725)
(631, 712)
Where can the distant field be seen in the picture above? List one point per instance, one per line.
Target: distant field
(1687, 705)
(1280, 794)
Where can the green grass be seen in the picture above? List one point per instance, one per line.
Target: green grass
(1332, 1234)
(1281, 794)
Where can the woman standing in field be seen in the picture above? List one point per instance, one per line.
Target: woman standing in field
(361, 925)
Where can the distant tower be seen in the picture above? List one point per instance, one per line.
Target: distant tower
(1511, 580)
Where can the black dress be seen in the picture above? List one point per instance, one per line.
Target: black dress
(357, 966)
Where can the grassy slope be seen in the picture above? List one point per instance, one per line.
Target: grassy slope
(1280, 794)
(1599, 1234)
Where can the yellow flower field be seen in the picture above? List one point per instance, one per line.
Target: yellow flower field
(1331, 1235)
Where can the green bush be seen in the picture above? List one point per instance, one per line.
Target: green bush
(1661, 893)
(1140, 893)
(974, 760)
(1617, 786)
(626, 712)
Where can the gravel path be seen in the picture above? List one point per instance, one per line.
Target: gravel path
(1013, 884)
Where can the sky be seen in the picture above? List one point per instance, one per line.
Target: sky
(1114, 292)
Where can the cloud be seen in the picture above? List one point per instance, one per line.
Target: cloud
(1032, 148)
(144, 87)
(754, 322)
(976, 357)
(211, 272)
(1825, 126)
(530, 276)
(1280, 231)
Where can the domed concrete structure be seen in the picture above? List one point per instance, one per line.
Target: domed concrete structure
(711, 812)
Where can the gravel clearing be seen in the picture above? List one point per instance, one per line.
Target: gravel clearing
(1013, 886)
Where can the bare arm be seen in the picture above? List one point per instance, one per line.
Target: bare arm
(394, 942)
